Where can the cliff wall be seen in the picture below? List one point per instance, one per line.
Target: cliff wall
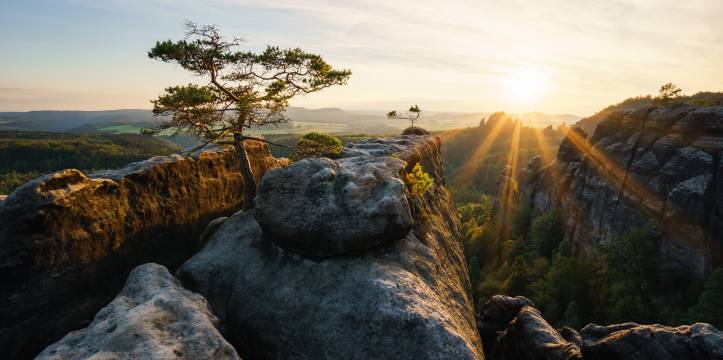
(655, 167)
(68, 240)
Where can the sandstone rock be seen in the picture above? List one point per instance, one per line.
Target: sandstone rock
(66, 234)
(529, 336)
(153, 317)
(571, 335)
(498, 311)
(419, 131)
(323, 207)
(633, 341)
(653, 168)
(403, 299)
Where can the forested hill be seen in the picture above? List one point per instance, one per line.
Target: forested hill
(703, 98)
(26, 155)
(475, 158)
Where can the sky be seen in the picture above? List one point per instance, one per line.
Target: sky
(553, 56)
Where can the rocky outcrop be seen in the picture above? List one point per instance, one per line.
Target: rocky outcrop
(68, 240)
(377, 297)
(654, 167)
(153, 317)
(632, 342)
(526, 335)
(2, 198)
(354, 203)
(511, 328)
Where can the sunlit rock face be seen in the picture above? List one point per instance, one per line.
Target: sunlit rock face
(153, 317)
(392, 298)
(659, 168)
(68, 240)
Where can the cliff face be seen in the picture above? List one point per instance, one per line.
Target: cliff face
(68, 241)
(393, 286)
(659, 168)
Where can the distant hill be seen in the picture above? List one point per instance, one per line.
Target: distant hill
(26, 155)
(331, 120)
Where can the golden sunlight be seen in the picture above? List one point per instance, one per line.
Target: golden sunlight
(524, 84)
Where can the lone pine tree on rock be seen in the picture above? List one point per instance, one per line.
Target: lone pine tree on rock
(244, 89)
(412, 114)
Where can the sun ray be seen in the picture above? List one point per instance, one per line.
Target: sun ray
(469, 168)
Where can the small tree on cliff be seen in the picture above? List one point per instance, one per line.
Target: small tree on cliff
(667, 95)
(412, 114)
(244, 89)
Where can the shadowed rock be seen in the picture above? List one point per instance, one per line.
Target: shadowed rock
(153, 317)
(631, 341)
(406, 298)
(529, 336)
(68, 240)
(657, 168)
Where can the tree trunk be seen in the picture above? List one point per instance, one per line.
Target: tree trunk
(246, 171)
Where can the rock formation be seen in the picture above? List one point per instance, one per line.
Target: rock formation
(377, 297)
(68, 241)
(654, 167)
(633, 341)
(527, 336)
(153, 317)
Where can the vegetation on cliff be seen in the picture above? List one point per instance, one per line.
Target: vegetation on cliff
(27, 155)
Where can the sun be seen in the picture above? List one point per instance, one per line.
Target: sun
(524, 84)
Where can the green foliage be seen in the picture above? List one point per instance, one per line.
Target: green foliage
(626, 282)
(667, 95)
(412, 114)
(546, 234)
(317, 144)
(474, 157)
(244, 90)
(27, 155)
(710, 304)
(419, 180)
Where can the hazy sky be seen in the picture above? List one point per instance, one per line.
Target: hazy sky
(555, 56)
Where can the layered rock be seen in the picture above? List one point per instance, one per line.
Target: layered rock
(377, 297)
(527, 335)
(153, 317)
(660, 168)
(68, 240)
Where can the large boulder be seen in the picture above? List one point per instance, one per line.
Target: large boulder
(530, 337)
(323, 207)
(68, 233)
(153, 317)
(405, 298)
(631, 341)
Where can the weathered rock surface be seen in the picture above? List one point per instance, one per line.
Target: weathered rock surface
(401, 299)
(153, 317)
(524, 334)
(323, 207)
(511, 328)
(637, 342)
(529, 336)
(68, 241)
(660, 168)
(415, 131)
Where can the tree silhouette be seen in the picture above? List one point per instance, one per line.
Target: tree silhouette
(412, 114)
